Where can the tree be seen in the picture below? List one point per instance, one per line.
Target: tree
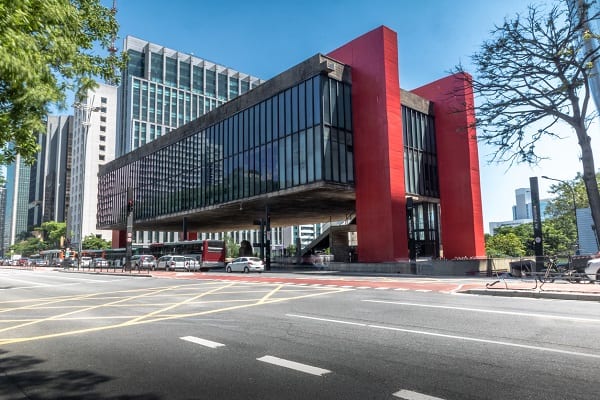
(28, 247)
(92, 242)
(47, 49)
(54, 232)
(532, 78)
(232, 248)
(504, 244)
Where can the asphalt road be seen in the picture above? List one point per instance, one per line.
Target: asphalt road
(77, 336)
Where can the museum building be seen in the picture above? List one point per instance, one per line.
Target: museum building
(332, 138)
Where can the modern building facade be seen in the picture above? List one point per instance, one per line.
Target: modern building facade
(331, 137)
(92, 146)
(49, 187)
(17, 201)
(163, 89)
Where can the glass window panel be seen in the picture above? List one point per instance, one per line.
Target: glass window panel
(245, 86)
(326, 102)
(184, 75)
(262, 128)
(135, 63)
(234, 87)
(282, 161)
(327, 156)
(198, 79)
(288, 162)
(317, 100)
(274, 170)
(302, 106)
(310, 155)
(303, 159)
(222, 87)
(171, 71)
(281, 115)
(288, 111)
(156, 67)
(347, 107)
(269, 119)
(294, 109)
(211, 84)
(296, 159)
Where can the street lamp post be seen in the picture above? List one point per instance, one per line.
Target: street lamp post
(566, 184)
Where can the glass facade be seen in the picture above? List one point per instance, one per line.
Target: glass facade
(298, 136)
(421, 178)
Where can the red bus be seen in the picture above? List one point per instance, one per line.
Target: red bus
(209, 253)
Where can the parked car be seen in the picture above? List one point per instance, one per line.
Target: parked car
(99, 263)
(192, 263)
(144, 261)
(245, 264)
(592, 269)
(171, 262)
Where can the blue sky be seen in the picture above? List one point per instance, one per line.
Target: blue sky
(266, 37)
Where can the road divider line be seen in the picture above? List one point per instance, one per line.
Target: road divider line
(410, 395)
(308, 369)
(521, 314)
(271, 293)
(202, 342)
(456, 337)
(337, 321)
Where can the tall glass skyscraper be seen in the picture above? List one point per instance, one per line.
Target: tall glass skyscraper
(162, 89)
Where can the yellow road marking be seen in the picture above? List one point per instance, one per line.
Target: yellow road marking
(271, 293)
(179, 304)
(146, 321)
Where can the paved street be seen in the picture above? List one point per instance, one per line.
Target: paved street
(173, 336)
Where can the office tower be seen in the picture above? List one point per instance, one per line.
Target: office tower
(93, 145)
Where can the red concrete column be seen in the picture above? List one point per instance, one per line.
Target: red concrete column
(119, 239)
(378, 145)
(458, 165)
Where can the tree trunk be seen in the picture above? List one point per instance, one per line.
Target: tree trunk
(589, 176)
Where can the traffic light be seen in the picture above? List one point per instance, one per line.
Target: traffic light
(129, 200)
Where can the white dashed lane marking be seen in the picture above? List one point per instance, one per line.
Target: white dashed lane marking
(410, 395)
(202, 342)
(308, 369)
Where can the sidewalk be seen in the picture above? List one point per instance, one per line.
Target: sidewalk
(512, 287)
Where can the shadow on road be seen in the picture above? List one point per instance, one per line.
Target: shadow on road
(20, 379)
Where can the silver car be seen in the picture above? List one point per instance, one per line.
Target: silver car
(592, 269)
(144, 261)
(169, 263)
(246, 264)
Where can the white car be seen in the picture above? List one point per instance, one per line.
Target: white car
(592, 269)
(246, 264)
(172, 263)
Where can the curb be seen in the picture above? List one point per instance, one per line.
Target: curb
(535, 294)
(105, 273)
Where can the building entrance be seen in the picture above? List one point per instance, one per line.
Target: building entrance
(426, 229)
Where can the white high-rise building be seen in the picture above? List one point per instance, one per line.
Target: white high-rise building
(93, 145)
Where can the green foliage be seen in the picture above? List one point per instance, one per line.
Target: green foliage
(505, 245)
(28, 247)
(54, 232)
(46, 49)
(92, 242)
(232, 248)
(291, 250)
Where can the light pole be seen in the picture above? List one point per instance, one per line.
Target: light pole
(85, 116)
(566, 184)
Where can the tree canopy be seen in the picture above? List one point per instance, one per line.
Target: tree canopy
(92, 242)
(47, 48)
(533, 79)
